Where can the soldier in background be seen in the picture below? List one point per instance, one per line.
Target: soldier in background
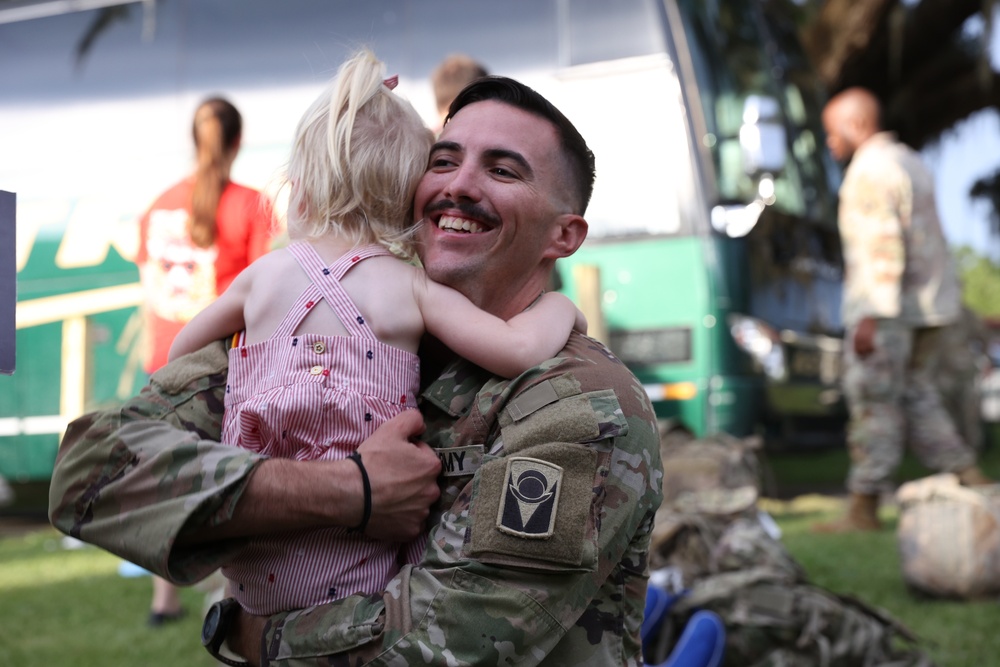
(450, 76)
(900, 289)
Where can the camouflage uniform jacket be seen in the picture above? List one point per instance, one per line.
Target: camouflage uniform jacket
(896, 258)
(538, 547)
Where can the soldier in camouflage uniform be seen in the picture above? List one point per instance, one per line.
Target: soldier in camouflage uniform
(900, 289)
(537, 547)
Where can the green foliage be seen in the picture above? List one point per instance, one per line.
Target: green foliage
(980, 281)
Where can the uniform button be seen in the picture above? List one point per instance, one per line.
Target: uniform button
(315, 370)
(319, 348)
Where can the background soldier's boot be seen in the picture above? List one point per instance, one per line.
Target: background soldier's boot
(862, 514)
(973, 476)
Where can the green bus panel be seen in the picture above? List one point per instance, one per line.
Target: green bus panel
(690, 283)
(734, 405)
(31, 405)
(645, 284)
(115, 361)
(33, 389)
(28, 458)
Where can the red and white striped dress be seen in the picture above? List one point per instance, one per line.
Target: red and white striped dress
(313, 397)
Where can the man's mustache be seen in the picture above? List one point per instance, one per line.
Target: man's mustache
(467, 209)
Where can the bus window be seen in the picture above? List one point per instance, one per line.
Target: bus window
(736, 54)
(631, 113)
(622, 93)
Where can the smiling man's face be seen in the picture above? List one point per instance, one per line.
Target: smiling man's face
(495, 200)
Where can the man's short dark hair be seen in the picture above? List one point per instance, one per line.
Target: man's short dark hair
(516, 94)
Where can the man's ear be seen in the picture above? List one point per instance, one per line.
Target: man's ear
(568, 234)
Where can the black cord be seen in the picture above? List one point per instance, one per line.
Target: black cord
(356, 457)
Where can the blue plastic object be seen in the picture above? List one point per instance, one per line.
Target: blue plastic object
(129, 570)
(703, 642)
(658, 603)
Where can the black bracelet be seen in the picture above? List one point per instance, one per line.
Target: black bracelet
(356, 457)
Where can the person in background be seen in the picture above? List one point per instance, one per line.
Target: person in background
(331, 326)
(193, 241)
(900, 289)
(451, 75)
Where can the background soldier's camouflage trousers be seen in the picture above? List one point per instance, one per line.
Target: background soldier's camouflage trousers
(960, 372)
(895, 403)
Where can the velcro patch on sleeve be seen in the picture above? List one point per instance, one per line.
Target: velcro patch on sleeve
(569, 420)
(534, 509)
(532, 400)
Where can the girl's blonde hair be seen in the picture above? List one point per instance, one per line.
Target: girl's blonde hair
(359, 152)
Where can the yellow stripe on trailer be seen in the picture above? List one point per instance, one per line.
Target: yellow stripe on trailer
(671, 391)
(71, 310)
(61, 307)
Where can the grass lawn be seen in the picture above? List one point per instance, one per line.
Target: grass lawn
(70, 607)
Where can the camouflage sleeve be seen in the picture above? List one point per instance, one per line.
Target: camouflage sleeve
(132, 480)
(530, 574)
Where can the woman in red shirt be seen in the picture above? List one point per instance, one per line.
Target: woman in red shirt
(195, 238)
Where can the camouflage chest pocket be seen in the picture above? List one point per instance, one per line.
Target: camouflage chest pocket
(536, 505)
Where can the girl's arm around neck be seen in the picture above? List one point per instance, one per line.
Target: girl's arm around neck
(505, 348)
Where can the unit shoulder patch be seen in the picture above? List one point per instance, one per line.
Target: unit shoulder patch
(534, 509)
(529, 503)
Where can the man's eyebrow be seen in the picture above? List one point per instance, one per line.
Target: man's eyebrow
(503, 153)
(446, 146)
